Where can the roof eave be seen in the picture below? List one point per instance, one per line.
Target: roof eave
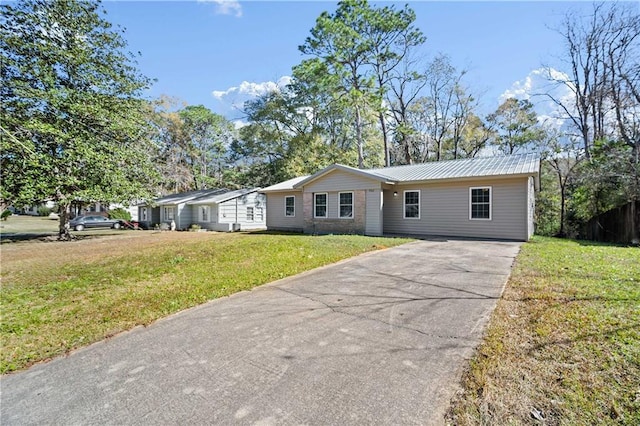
(467, 178)
(222, 200)
(266, 191)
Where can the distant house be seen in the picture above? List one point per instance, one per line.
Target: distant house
(480, 197)
(34, 210)
(213, 209)
(104, 209)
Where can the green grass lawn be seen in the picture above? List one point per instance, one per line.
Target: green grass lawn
(59, 296)
(563, 346)
(22, 224)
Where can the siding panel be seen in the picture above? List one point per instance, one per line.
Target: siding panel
(531, 206)
(275, 212)
(444, 210)
(235, 211)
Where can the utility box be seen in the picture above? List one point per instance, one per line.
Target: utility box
(235, 227)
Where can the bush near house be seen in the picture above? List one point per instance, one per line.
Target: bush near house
(44, 211)
(120, 213)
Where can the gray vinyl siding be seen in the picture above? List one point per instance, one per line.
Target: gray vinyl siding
(222, 216)
(373, 219)
(276, 219)
(337, 180)
(235, 211)
(183, 216)
(213, 216)
(531, 207)
(153, 216)
(444, 210)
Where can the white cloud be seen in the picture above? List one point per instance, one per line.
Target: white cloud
(226, 7)
(231, 101)
(538, 87)
(239, 124)
(252, 90)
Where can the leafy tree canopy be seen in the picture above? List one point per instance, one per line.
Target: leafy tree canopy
(73, 120)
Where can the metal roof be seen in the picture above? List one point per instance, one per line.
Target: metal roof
(287, 185)
(183, 197)
(222, 197)
(465, 168)
(508, 165)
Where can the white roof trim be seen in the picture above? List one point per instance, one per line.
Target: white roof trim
(364, 173)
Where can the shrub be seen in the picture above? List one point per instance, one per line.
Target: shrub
(5, 214)
(120, 213)
(194, 227)
(44, 211)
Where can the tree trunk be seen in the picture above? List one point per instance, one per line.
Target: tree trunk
(63, 228)
(407, 150)
(359, 140)
(562, 210)
(385, 139)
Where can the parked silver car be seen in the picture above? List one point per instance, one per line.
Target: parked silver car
(95, 221)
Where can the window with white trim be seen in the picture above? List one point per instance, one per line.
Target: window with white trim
(168, 213)
(250, 214)
(204, 213)
(320, 204)
(290, 206)
(259, 214)
(143, 214)
(345, 200)
(411, 204)
(480, 203)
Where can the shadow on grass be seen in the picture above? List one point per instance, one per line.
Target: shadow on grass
(50, 237)
(17, 237)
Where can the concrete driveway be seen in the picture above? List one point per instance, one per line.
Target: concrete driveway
(379, 339)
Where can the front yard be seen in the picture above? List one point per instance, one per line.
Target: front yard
(563, 345)
(59, 296)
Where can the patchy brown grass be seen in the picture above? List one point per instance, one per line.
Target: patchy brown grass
(563, 345)
(57, 296)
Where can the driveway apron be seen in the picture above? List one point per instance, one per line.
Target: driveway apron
(378, 339)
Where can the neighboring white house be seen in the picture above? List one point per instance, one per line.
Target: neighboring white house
(479, 198)
(213, 209)
(230, 211)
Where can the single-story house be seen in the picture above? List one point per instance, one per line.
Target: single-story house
(212, 209)
(479, 197)
(244, 209)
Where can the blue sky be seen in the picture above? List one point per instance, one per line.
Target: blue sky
(196, 48)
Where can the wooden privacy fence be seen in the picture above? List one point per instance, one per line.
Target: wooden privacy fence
(619, 225)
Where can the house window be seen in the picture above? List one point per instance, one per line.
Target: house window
(290, 206)
(143, 214)
(412, 204)
(480, 203)
(204, 213)
(168, 213)
(320, 204)
(250, 214)
(259, 216)
(346, 204)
